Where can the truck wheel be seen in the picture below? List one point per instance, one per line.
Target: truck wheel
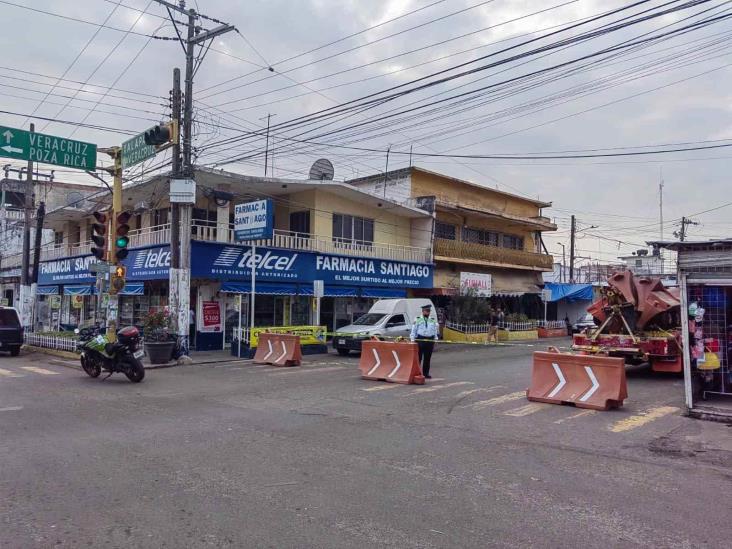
(343, 352)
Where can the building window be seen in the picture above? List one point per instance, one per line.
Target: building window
(160, 217)
(513, 242)
(352, 229)
(58, 239)
(480, 236)
(300, 223)
(445, 230)
(638, 262)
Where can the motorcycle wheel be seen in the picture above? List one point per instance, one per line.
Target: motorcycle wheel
(134, 370)
(90, 366)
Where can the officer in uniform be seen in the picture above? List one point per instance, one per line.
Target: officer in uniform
(427, 331)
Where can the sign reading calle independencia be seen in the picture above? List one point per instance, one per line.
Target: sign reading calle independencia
(47, 149)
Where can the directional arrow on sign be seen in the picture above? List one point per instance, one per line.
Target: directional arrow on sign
(398, 364)
(9, 149)
(595, 384)
(562, 381)
(8, 135)
(378, 362)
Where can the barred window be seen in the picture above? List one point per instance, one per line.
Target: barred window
(445, 230)
(513, 242)
(480, 236)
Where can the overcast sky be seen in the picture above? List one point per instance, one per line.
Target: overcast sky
(673, 91)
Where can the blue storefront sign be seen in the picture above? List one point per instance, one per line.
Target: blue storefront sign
(233, 262)
(228, 262)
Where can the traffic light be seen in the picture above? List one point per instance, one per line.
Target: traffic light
(121, 240)
(98, 236)
(162, 134)
(117, 284)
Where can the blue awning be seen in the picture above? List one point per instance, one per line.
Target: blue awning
(78, 290)
(383, 292)
(133, 288)
(266, 288)
(570, 292)
(47, 290)
(340, 291)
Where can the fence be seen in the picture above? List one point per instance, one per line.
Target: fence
(511, 326)
(50, 341)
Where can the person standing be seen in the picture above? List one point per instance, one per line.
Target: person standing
(425, 331)
(493, 327)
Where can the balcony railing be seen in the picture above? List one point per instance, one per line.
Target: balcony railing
(210, 232)
(493, 254)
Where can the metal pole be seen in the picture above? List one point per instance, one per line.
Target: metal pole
(25, 290)
(113, 303)
(571, 251)
(266, 146)
(253, 263)
(386, 169)
(40, 214)
(239, 337)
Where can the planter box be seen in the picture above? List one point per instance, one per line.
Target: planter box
(552, 332)
(159, 352)
(520, 335)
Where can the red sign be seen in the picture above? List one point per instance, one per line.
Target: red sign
(211, 315)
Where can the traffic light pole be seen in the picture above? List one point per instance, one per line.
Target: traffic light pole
(26, 297)
(113, 303)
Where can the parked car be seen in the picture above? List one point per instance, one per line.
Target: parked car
(387, 318)
(11, 332)
(586, 321)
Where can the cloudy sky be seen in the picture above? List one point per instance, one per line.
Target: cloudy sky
(666, 84)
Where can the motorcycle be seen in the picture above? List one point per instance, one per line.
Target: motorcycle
(124, 355)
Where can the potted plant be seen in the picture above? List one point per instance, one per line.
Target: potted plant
(159, 342)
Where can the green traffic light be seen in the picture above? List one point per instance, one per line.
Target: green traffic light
(122, 241)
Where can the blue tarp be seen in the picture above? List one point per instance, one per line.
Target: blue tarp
(47, 290)
(133, 288)
(570, 292)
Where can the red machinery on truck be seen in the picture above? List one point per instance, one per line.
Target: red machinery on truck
(637, 318)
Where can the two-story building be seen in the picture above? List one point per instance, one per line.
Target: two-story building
(363, 247)
(483, 237)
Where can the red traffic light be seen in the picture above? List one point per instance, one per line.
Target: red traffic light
(100, 217)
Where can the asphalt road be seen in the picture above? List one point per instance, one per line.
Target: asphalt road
(238, 455)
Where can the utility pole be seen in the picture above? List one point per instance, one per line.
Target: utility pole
(386, 169)
(40, 214)
(176, 101)
(25, 289)
(266, 144)
(571, 250)
(685, 222)
(180, 276)
(564, 263)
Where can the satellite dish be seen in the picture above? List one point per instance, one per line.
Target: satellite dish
(322, 170)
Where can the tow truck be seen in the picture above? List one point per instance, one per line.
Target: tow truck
(637, 318)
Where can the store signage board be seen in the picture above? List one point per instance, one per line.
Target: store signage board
(211, 316)
(47, 149)
(477, 284)
(233, 262)
(254, 220)
(546, 295)
(135, 150)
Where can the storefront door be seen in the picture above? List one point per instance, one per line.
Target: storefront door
(231, 318)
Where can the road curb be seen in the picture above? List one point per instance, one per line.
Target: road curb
(52, 352)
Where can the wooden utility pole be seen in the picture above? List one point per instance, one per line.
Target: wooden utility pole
(573, 232)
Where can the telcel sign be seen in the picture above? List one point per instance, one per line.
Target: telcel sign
(253, 220)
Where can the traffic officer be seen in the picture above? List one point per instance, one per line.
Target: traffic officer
(426, 331)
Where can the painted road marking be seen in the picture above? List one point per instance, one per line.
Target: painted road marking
(306, 370)
(525, 410)
(578, 414)
(37, 370)
(463, 394)
(498, 400)
(633, 422)
(438, 387)
(388, 386)
(11, 409)
(8, 373)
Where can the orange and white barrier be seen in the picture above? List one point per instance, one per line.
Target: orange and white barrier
(278, 349)
(584, 381)
(396, 362)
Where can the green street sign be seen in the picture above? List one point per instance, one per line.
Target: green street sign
(135, 151)
(48, 149)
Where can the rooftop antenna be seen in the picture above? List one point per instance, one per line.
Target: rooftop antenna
(322, 170)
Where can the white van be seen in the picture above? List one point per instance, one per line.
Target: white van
(387, 318)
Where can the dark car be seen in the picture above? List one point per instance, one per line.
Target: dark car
(11, 332)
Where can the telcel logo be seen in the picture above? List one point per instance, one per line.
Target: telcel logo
(267, 261)
(155, 260)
